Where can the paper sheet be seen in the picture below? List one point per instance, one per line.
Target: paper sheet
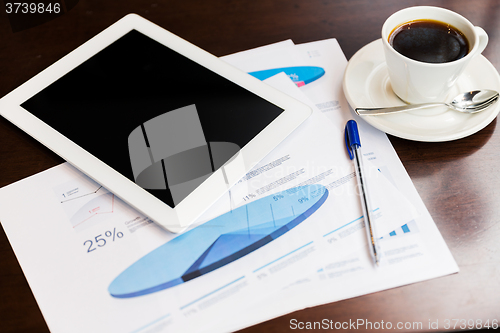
(73, 238)
(413, 252)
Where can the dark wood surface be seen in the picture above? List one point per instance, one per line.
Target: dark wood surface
(458, 181)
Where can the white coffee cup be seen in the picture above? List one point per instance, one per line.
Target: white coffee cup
(419, 82)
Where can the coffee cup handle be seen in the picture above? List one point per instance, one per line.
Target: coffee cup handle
(483, 39)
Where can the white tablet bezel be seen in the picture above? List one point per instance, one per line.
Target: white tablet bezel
(187, 211)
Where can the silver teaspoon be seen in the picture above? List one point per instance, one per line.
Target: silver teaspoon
(468, 102)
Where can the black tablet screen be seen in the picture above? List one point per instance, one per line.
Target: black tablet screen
(158, 118)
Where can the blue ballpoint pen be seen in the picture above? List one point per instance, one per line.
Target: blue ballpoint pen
(353, 145)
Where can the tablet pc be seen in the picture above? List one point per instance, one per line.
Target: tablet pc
(162, 124)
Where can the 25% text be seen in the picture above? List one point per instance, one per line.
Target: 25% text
(100, 240)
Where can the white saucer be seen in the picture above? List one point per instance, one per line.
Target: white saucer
(366, 84)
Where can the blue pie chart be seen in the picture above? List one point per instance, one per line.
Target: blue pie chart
(219, 241)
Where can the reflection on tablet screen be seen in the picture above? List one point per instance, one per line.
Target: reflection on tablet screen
(170, 151)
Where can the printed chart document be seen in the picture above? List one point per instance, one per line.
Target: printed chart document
(291, 226)
(413, 252)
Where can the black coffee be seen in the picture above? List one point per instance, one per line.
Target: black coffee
(429, 41)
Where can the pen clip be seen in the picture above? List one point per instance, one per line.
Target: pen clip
(351, 137)
(349, 151)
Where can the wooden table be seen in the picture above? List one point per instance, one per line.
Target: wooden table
(459, 181)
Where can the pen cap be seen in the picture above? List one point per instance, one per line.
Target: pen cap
(352, 140)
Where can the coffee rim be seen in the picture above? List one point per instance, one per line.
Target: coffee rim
(471, 53)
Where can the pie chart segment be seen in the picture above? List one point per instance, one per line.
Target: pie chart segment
(219, 241)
